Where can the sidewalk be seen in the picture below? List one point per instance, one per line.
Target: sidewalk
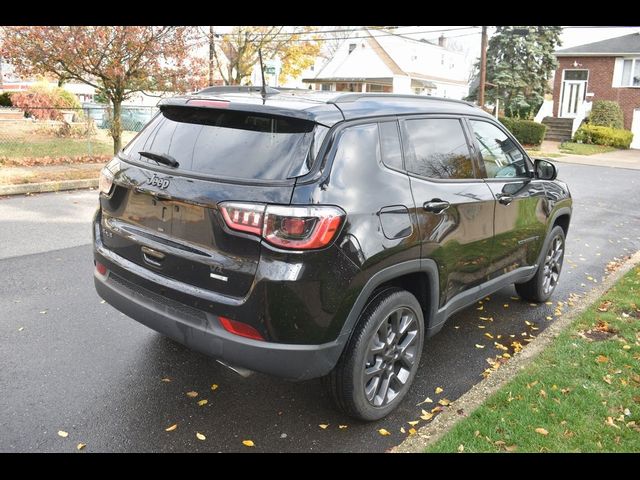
(616, 159)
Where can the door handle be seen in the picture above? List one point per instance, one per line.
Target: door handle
(436, 205)
(505, 199)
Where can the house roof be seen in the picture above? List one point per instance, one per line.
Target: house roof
(381, 57)
(625, 45)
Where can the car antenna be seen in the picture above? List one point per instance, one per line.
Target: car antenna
(263, 90)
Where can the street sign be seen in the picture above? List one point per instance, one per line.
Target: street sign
(270, 70)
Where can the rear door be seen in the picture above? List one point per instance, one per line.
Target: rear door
(521, 208)
(454, 207)
(167, 219)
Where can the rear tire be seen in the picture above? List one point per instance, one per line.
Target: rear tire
(543, 284)
(381, 359)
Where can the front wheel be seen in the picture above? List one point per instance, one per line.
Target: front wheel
(542, 285)
(378, 365)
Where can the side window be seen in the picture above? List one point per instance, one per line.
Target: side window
(358, 144)
(437, 148)
(501, 157)
(390, 145)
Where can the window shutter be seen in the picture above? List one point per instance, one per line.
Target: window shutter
(617, 72)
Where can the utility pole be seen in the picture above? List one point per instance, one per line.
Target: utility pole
(211, 47)
(483, 67)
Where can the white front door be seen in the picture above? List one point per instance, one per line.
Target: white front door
(635, 129)
(573, 92)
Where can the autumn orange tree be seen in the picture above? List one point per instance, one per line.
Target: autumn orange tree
(236, 52)
(117, 60)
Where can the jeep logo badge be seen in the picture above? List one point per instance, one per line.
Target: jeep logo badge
(156, 181)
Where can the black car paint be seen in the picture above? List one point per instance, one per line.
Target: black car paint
(309, 301)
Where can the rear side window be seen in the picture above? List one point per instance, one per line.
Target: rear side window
(231, 144)
(437, 148)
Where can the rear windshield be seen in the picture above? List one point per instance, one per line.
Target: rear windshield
(230, 144)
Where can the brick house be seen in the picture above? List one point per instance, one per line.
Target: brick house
(605, 70)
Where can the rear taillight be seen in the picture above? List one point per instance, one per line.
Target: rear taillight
(105, 183)
(239, 328)
(296, 228)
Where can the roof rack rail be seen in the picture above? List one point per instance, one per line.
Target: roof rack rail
(354, 97)
(237, 89)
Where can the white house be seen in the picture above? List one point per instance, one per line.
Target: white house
(391, 63)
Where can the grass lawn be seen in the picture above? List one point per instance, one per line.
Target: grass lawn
(26, 139)
(581, 395)
(584, 149)
(539, 153)
(54, 147)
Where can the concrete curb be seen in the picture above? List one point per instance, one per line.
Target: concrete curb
(48, 186)
(477, 395)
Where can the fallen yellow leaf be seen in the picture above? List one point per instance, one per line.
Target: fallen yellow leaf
(479, 346)
(200, 436)
(426, 416)
(192, 394)
(402, 430)
(341, 427)
(460, 448)
(323, 426)
(542, 431)
(80, 446)
(248, 443)
(414, 423)
(166, 380)
(412, 431)
(488, 335)
(626, 347)
(444, 402)
(426, 400)
(214, 386)
(439, 390)
(602, 359)
(202, 403)
(63, 434)
(171, 428)
(383, 432)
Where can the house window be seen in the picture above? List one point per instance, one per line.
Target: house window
(576, 74)
(326, 87)
(631, 72)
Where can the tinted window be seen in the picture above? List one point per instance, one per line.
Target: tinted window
(437, 148)
(501, 157)
(390, 144)
(359, 144)
(230, 144)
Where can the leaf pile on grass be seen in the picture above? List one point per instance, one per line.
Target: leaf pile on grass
(581, 395)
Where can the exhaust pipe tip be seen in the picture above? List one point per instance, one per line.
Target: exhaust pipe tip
(243, 372)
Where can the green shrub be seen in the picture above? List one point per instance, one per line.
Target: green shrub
(611, 137)
(527, 132)
(606, 113)
(5, 99)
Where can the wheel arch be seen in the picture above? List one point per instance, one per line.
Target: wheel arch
(419, 277)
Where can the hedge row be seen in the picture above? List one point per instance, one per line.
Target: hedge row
(526, 131)
(610, 137)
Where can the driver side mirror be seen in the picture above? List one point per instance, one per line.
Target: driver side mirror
(545, 170)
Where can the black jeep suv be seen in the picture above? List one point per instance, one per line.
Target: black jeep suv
(308, 234)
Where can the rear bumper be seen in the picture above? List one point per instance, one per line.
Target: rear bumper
(201, 331)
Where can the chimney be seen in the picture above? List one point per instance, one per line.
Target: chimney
(442, 41)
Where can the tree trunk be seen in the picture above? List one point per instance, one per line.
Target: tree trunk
(116, 125)
(211, 56)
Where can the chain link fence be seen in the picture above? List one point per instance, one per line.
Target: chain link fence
(42, 136)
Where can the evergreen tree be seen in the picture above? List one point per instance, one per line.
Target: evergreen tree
(520, 62)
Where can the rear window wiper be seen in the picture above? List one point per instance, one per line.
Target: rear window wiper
(161, 158)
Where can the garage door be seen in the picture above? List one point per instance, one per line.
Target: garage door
(635, 128)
